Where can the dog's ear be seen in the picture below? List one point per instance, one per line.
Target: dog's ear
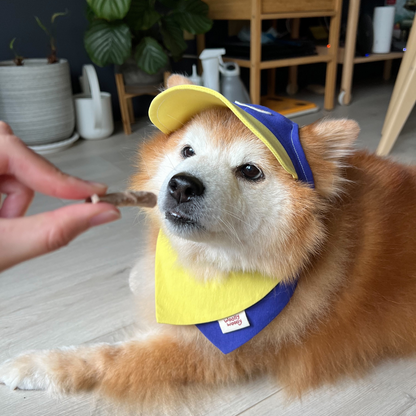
(327, 145)
(176, 79)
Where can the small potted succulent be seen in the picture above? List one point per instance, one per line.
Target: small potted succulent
(36, 94)
(142, 34)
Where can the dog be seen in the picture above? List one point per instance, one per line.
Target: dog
(350, 241)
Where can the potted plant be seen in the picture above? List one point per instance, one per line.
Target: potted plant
(143, 32)
(36, 95)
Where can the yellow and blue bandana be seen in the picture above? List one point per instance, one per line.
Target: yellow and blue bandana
(180, 298)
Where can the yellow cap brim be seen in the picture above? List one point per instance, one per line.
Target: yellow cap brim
(174, 107)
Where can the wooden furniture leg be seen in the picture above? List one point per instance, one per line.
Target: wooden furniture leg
(387, 69)
(123, 104)
(255, 51)
(292, 87)
(331, 67)
(131, 111)
(348, 65)
(166, 75)
(401, 76)
(400, 112)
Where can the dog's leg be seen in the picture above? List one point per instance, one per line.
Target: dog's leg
(134, 369)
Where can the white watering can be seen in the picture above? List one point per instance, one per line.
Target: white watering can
(94, 116)
(232, 87)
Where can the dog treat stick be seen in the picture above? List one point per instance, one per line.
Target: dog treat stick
(126, 199)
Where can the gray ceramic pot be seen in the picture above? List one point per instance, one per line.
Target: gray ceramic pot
(133, 75)
(36, 100)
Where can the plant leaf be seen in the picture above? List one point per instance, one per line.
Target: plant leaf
(150, 56)
(42, 26)
(108, 42)
(171, 4)
(192, 16)
(142, 15)
(89, 13)
(172, 35)
(12, 43)
(55, 15)
(110, 9)
(150, 17)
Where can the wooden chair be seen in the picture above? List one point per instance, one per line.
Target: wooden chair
(403, 98)
(125, 95)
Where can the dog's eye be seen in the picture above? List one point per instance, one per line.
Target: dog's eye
(250, 172)
(188, 151)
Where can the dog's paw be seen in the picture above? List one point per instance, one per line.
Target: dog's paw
(25, 372)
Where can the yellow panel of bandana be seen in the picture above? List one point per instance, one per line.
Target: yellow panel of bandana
(183, 300)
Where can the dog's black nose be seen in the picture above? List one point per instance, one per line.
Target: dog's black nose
(184, 187)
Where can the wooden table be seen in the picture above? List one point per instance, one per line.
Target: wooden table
(258, 10)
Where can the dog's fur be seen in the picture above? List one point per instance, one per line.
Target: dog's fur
(351, 239)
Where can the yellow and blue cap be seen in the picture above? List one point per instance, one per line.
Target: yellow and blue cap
(172, 108)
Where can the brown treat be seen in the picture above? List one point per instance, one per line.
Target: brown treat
(127, 199)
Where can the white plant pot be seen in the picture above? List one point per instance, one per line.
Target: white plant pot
(36, 100)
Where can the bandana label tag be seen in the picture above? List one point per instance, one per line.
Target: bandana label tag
(234, 322)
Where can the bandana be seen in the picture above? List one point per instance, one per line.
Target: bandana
(229, 310)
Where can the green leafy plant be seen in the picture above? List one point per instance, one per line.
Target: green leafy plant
(18, 59)
(147, 30)
(51, 34)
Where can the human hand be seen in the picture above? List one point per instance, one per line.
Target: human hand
(21, 173)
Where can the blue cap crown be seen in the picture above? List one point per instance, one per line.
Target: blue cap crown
(287, 133)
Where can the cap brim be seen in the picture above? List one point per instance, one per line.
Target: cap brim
(174, 107)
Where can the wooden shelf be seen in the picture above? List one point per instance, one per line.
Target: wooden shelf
(279, 63)
(301, 60)
(257, 10)
(243, 63)
(373, 57)
(296, 15)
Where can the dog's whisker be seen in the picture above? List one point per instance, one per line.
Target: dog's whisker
(234, 215)
(234, 233)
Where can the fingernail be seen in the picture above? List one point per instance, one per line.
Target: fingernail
(104, 218)
(97, 184)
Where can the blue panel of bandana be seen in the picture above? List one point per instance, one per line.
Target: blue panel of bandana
(263, 312)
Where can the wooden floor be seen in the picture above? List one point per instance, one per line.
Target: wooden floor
(80, 294)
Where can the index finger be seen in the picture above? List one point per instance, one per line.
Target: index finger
(37, 173)
(5, 128)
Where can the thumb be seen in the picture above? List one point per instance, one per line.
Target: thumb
(24, 238)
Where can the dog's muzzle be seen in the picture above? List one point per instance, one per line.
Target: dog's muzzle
(184, 188)
(183, 193)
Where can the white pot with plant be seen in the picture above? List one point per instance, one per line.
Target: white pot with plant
(36, 95)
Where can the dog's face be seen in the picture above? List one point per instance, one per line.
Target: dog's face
(225, 201)
(219, 184)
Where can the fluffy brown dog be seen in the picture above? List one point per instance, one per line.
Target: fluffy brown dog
(351, 239)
